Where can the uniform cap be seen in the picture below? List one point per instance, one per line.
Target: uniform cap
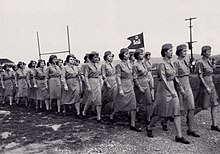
(167, 46)
(181, 47)
(206, 47)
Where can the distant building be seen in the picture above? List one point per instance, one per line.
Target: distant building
(6, 61)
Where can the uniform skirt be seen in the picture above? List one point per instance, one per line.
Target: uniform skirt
(32, 91)
(22, 90)
(72, 95)
(186, 102)
(54, 88)
(204, 99)
(41, 91)
(109, 95)
(94, 97)
(165, 105)
(128, 101)
(9, 89)
(143, 99)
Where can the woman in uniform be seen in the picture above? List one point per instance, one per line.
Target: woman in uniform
(42, 94)
(53, 75)
(207, 96)
(141, 82)
(72, 82)
(186, 102)
(93, 85)
(167, 101)
(125, 99)
(22, 83)
(7, 78)
(150, 68)
(109, 89)
(32, 88)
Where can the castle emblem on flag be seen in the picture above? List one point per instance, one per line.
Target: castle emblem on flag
(137, 41)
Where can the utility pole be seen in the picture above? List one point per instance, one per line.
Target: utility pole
(192, 61)
(38, 44)
(190, 35)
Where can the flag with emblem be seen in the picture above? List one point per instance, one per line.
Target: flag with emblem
(137, 41)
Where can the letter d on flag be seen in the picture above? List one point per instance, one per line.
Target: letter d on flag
(137, 41)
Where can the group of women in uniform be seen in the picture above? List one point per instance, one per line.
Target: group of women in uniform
(129, 86)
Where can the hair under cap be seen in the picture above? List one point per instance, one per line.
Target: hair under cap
(181, 47)
(167, 46)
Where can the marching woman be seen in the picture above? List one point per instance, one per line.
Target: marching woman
(32, 88)
(92, 81)
(207, 96)
(186, 102)
(131, 58)
(125, 99)
(109, 89)
(71, 81)
(84, 92)
(7, 78)
(167, 101)
(22, 83)
(150, 69)
(141, 84)
(42, 94)
(53, 75)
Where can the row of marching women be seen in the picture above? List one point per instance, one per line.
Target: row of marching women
(128, 86)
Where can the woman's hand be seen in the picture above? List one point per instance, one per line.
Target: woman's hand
(208, 90)
(121, 92)
(65, 87)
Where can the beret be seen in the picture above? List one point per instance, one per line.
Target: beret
(107, 53)
(181, 47)
(147, 53)
(123, 50)
(206, 47)
(167, 46)
(131, 53)
(139, 50)
(94, 53)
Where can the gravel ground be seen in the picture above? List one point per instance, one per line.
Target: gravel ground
(25, 131)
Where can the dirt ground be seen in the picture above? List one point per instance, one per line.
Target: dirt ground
(26, 131)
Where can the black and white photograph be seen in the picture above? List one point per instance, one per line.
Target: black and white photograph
(109, 76)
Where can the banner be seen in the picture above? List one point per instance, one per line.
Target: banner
(137, 41)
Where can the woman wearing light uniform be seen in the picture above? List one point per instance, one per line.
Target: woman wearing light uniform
(53, 75)
(141, 82)
(125, 99)
(42, 94)
(7, 78)
(109, 89)
(22, 83)
(207, 96)
(186, 102)
(93, 85)
(167, 101)
(71, 82)
(32, 88)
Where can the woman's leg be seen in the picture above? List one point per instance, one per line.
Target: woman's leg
(77, 107)
(98, 109)
(10, 100)
(47, 105)
(58, 105)
(177, 124)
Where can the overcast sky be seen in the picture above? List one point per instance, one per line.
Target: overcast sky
(102, 25)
